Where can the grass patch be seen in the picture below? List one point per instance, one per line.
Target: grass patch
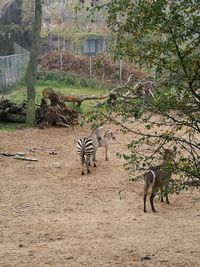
(6, 126)
(61, 78)
(18, 94)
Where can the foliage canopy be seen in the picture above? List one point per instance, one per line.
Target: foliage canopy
(164, 38)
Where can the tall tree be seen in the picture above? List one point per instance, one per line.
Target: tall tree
(162, 36)
(32, 66)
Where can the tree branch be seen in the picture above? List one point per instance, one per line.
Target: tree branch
(161, 136)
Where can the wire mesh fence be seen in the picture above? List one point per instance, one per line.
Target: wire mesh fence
(13, 68)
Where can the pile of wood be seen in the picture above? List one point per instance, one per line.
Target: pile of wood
(10, 112)
(72, 63)
(55, 113)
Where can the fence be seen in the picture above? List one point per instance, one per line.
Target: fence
(13, 67)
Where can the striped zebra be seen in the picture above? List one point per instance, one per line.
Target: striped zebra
(87, 149)
(104, 141)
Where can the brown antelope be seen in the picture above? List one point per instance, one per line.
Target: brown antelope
(158, 178)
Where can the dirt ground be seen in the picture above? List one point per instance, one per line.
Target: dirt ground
(50, 215)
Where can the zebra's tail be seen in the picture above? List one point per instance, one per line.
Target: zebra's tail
(80, 150)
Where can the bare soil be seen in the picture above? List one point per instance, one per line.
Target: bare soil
(51, 215)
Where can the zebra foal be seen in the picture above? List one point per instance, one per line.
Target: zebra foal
(104, 141)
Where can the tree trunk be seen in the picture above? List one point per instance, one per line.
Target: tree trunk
(32, 66)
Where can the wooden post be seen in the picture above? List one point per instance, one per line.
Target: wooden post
(90, 58)
(120, 71)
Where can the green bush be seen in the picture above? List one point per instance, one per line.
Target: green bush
(60, 78)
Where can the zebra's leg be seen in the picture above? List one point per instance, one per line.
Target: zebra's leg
(94, 156)
(82, 164)
(87, 163)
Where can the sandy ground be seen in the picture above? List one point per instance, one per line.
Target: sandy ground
(50, 215)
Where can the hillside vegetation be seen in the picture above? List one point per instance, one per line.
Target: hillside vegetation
(102, 68)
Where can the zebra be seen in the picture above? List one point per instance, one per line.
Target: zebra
(104, 141)
(96, 138)
(87, 148)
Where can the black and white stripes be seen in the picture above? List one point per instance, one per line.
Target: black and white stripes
(85, 149)
(87, 146)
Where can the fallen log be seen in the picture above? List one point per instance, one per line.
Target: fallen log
(17, 155)
(140, 89)
(10, 112)
(9, 154)
(12, 117)
(24, 158)
(58, 98)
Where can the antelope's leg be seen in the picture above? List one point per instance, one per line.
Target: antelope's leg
(166, 194)
(161, 195)
(145, 200)
(151, 201)
(167, 199)
(145, 196)
(106, 152)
